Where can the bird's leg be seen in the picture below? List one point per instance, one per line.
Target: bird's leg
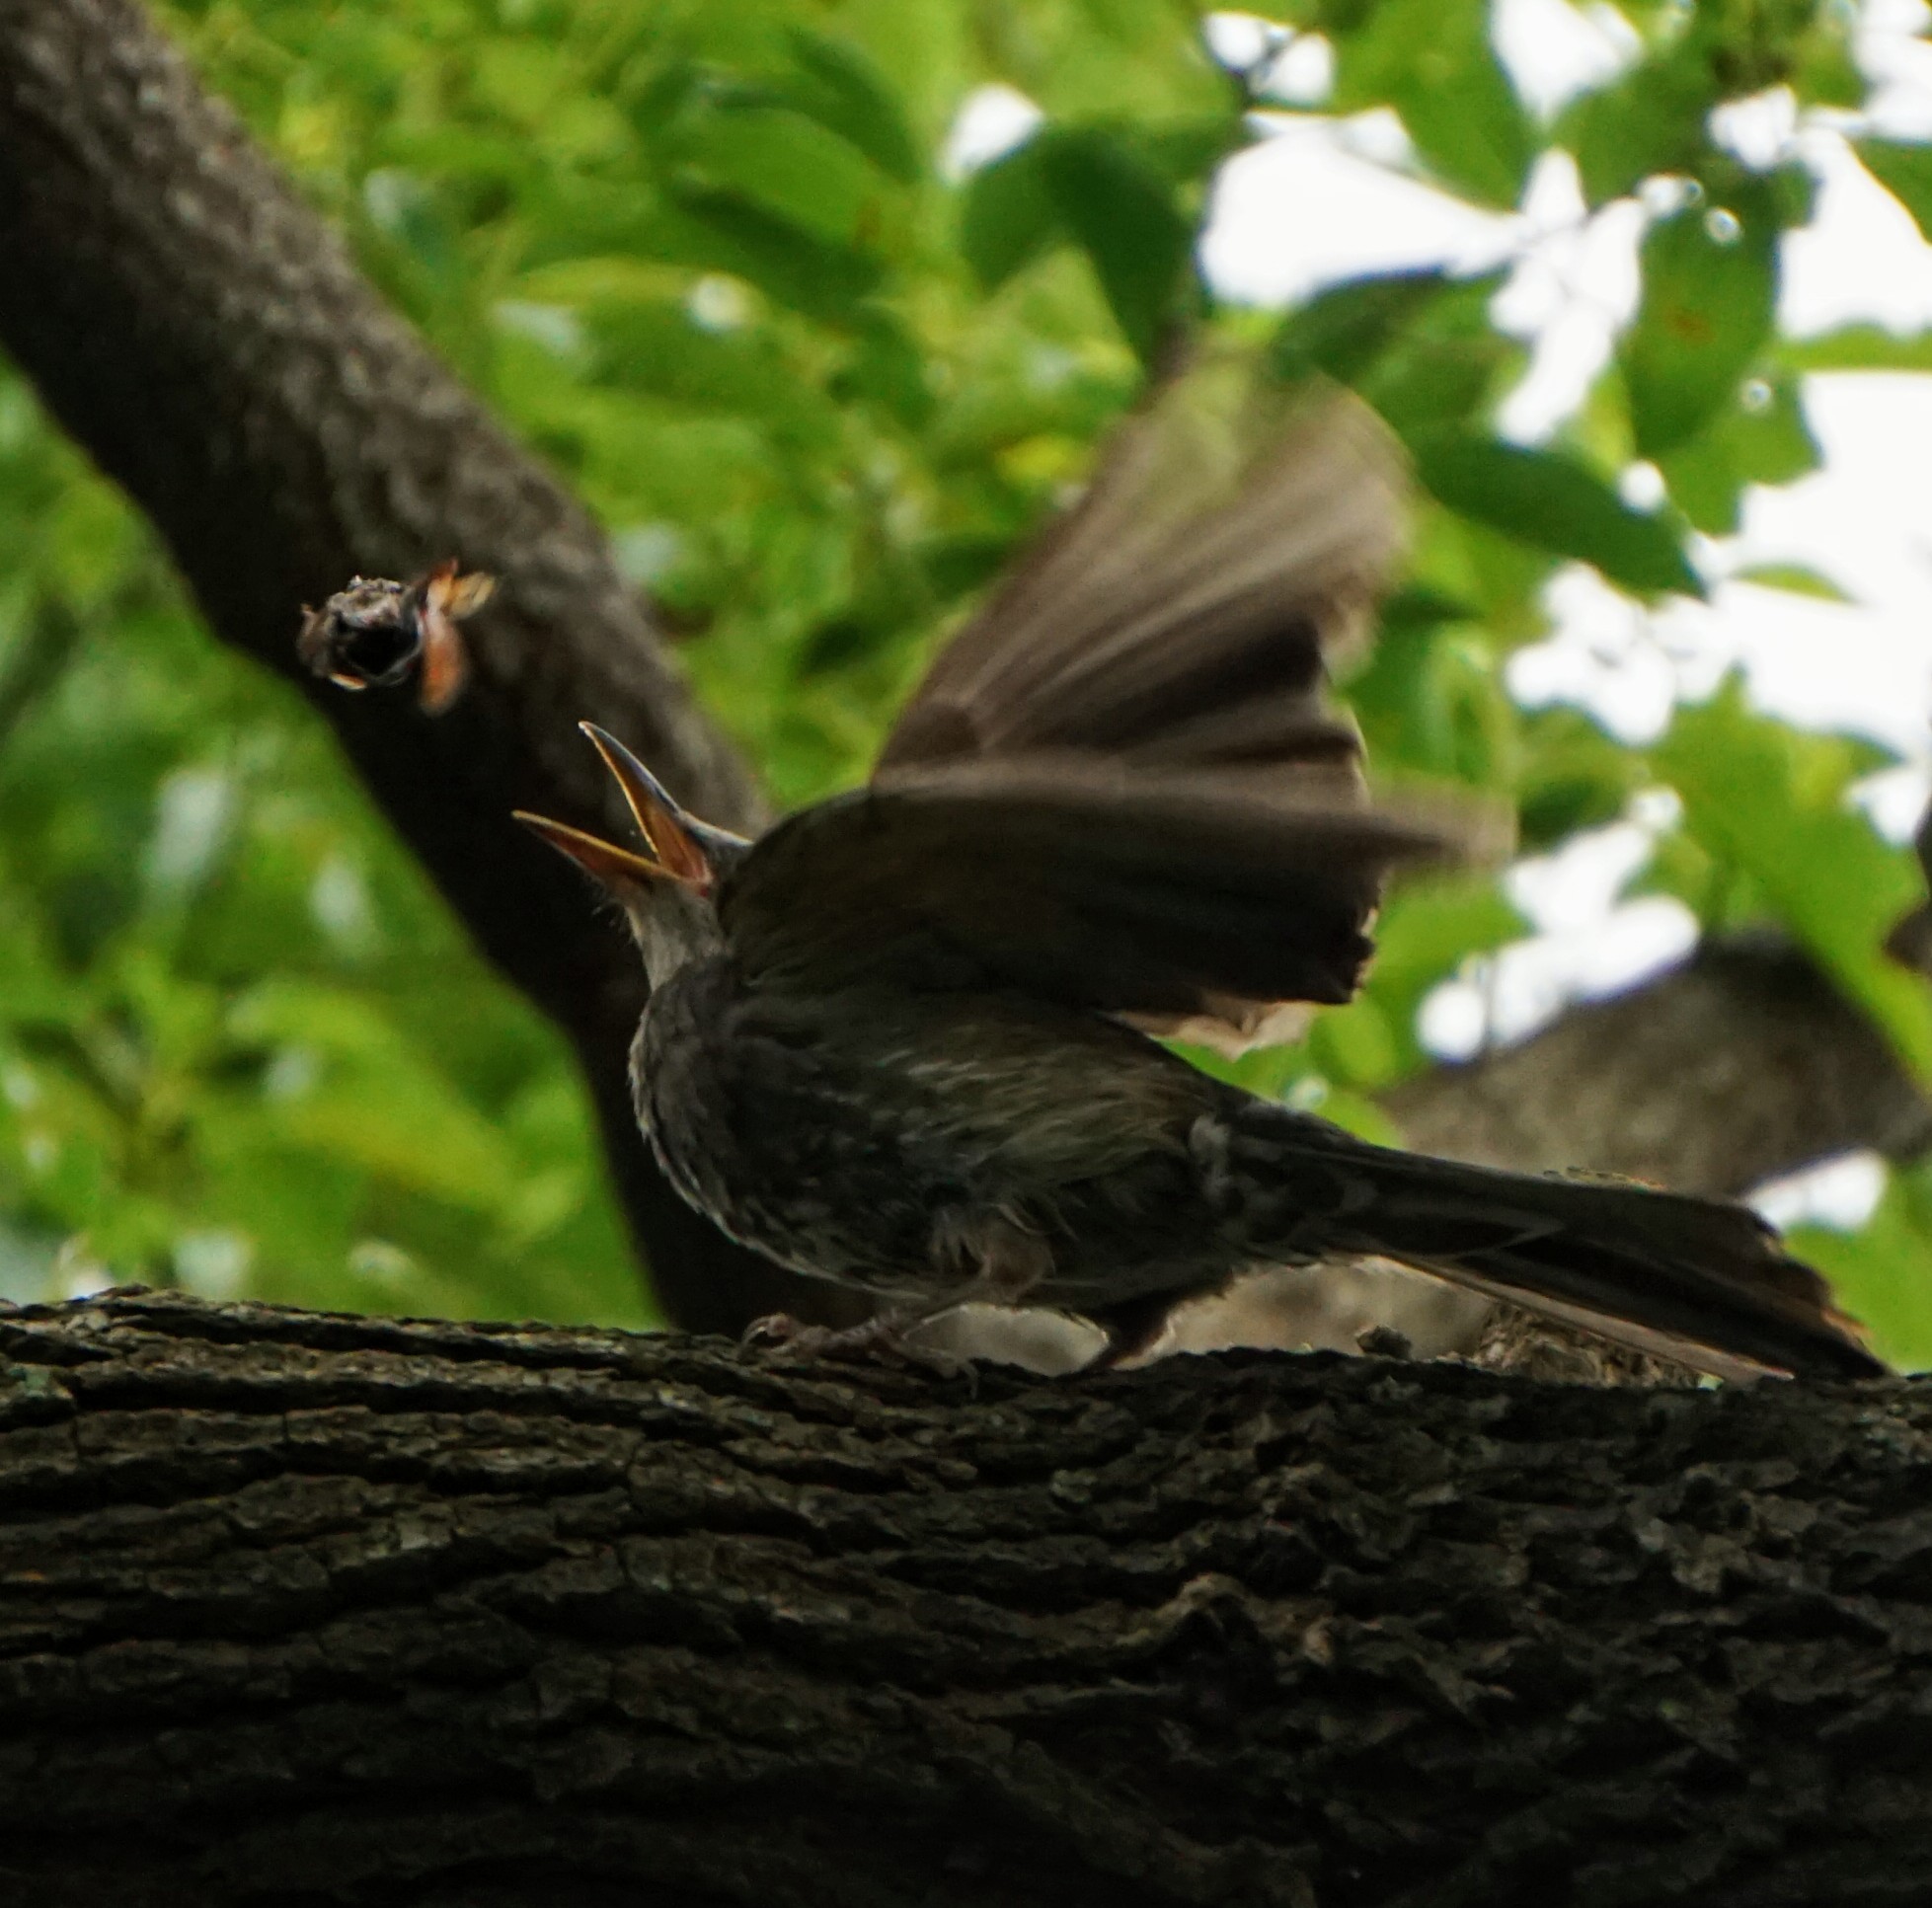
(1010, 1261)
(1132, 1327)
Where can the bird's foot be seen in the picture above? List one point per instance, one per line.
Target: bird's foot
(885, 1338)
(1384, 1342)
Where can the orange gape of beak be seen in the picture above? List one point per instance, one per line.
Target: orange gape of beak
(609, 864)
(659, 819)
(676, 855)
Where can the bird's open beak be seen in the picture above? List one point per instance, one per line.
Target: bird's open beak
(676, 853)
(660, 822)
(615, 867)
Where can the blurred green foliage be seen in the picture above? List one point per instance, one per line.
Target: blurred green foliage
(708, 260)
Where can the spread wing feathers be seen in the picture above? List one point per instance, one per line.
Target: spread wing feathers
(1120, 786)
(1235, 530)
(1698, 1280)
(1168, 896)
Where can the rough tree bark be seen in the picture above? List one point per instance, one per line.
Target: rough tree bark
(203, 334)
(1738, 1066)
(296, 1608)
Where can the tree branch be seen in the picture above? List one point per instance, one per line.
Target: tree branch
(298, 1606)
(206, 337)
(1739, 1065)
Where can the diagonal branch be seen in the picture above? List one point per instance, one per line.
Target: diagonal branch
(207, 340)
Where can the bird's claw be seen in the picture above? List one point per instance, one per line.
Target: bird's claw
(884, 1339)
(773, 1331)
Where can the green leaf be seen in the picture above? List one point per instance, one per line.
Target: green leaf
(1433, 61)
(1441, 375)
(1358, 1116)
(653, 346)
(1106, 194)
(1007, 216)
(1571, 776)
(1648, 121)
(1432, 700)
(787, 164)
(796, 267)
(1710, 292)
(1904, 169)
(1881, 1274)
(1421, 606)
(1188, 152)
(1770, 802)
(1796, 578)
(1343, 330)
(1761, 436)
(1122, 212)
(1857, 347)
(847, 94)
(1831, 73)
(840, 641)
(1419, 345)
(886, 368)
(377, 1104)
(1653, 119)
(1790, 189)
(1428, 928)
(1356, 1046)
(1553, 503)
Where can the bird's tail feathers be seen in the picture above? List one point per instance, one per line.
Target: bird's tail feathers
(1702, 1281)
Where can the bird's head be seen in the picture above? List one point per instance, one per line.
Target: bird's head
(667, 892)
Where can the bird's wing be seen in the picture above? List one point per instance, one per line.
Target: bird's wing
(1121, 785)
(1167, 897)
(1234, 531)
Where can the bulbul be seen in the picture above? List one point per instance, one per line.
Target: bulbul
(905, 1039)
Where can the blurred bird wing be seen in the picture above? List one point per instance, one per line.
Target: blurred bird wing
(1195, 900)
(1235, 530)
(1120, 784)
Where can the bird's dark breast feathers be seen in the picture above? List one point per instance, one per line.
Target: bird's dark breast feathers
(845, 1133)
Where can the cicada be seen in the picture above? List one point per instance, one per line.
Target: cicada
(378, 634)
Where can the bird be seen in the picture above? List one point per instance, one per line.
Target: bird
(915, 1038)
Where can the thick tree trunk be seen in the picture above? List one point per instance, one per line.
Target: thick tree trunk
(207, 340)
(297, 1608)
(206, 337)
